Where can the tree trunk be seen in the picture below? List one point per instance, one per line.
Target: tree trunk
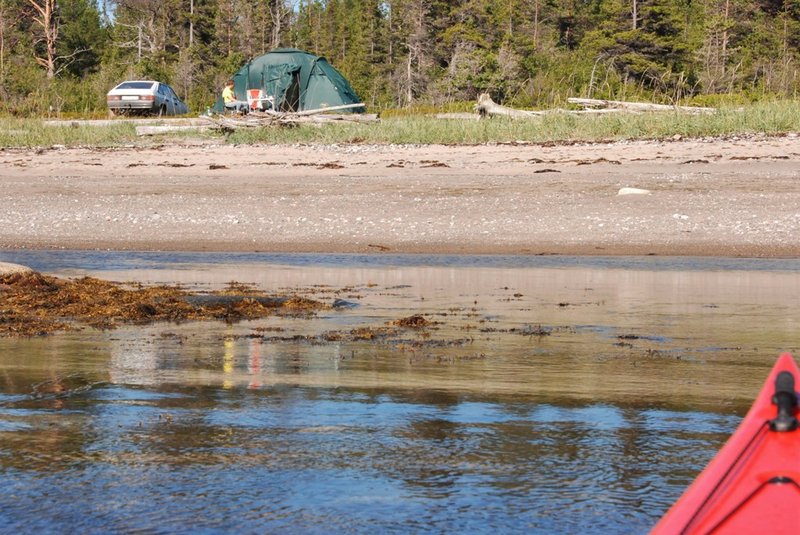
(3, 18)
(276, 13)
(191, 23)
(409, 79)
(725, 38)
(46, 19)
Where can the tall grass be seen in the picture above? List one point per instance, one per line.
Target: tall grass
(770, 118)
(29, 133)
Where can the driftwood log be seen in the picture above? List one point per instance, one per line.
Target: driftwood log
(460, 116)
(154, 130)
(636, 106)
(319, 116)
(329, 109)
(257, 120)
(486, 107)
(138, 121)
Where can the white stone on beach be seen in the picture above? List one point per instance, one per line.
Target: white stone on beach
(7, 268)
(633, 191)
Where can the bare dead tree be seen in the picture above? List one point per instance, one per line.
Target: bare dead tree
(537, 6)
(46, 20)
(185, 71)
(788, 72)
(725, 34)
(147, 21)
(716, 53)
(191, 23)
(277, 12)
(416, 44)
(144, 40)
(5, 17)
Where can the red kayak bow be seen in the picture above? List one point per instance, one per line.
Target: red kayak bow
(753, 484)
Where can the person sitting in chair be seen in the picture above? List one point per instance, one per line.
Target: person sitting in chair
(230, 101)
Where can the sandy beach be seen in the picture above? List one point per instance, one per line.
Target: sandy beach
(738, 196)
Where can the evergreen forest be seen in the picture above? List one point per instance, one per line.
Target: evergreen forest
(62, 56)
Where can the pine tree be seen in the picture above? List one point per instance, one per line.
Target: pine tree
(646, 45)
(720, 45)
(82, 38)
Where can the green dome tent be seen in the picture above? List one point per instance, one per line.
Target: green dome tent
(293, 80)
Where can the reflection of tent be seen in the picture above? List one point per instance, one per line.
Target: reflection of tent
(295, 81)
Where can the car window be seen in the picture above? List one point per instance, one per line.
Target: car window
(135, 85)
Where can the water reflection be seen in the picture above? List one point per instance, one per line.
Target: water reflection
(542, 399)
(303, 459)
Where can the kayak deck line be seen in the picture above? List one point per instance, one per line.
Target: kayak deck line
(777, 480)
(751, 485)
(726, 478)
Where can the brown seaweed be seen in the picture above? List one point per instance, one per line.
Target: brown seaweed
(34, 304)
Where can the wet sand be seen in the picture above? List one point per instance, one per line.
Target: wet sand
(716, 197)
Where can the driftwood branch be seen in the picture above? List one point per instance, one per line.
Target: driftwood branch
(273, 118)
(636, 106)
(330, 108)
(147, 130)
(462, 116)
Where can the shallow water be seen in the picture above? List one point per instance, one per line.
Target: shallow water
(552, 394)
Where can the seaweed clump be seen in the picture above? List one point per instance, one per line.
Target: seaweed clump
(416, 321)
(34, 304)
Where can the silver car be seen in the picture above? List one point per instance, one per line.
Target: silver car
(145, 97)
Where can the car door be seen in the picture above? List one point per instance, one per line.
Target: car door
(178, 107)
(159, 104)
(169, 106)
(182, 107)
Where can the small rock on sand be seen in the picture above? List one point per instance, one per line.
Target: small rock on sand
(633, 191)
(7, 268)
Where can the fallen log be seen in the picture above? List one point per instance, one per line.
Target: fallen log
(342, 117)
(178, 121)
(636, 106)
(167, 129)
(459, 116)
(273, 118)
(330, 108)
(486, 107)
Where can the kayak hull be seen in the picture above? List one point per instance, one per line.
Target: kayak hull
(753, 483)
